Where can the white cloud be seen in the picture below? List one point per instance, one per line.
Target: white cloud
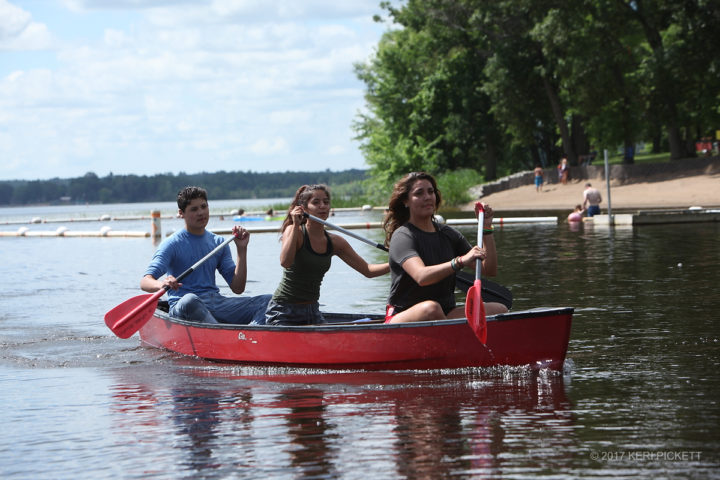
(289, 117)
(335, 150)
(200, 84)
(269, 146)
(18, 31)
(15, 20)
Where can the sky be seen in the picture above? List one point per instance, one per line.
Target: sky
(166, 86)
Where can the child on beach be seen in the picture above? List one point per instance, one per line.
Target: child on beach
(538, 178)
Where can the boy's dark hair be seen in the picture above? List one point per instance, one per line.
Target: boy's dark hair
(187, 194)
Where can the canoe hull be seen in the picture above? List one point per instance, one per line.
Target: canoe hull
(537, 337)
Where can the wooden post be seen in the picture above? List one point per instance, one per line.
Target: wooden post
(156, 229)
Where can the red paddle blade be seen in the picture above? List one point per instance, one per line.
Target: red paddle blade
(469, 301)
(479, 317)
(479, 208)
(475, 312)
(129, 317)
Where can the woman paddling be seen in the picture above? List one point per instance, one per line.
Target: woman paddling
(425, 256)
(305, 256)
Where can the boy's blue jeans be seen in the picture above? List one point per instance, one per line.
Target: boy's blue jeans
(217, 308)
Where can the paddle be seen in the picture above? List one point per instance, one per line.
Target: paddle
(474, 305)
(491, 291)
(345, 231)
(129, 317)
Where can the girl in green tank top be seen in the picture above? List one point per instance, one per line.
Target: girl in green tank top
(305, 255)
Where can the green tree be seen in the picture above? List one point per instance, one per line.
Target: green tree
(458, 81)
(426, 110)
(594, 54)
(522, 85)
(677, 59)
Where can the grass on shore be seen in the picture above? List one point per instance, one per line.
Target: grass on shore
(662, 157)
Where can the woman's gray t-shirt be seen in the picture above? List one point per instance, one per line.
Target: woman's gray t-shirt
(433, 248)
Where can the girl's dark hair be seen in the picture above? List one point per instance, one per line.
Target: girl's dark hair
(397, 213)
(302, 197)
(187, 194)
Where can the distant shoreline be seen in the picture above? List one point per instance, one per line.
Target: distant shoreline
(661, 192)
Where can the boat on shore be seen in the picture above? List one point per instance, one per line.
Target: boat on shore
(536, 337)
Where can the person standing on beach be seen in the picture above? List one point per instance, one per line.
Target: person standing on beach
(563, 171)
(198, 297)
(592, 197)
(538, 178)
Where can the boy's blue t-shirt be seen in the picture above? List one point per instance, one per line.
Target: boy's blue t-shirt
(181, 251)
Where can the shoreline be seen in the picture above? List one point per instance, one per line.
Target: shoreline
(702, 190)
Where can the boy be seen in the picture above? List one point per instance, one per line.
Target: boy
(198, 298)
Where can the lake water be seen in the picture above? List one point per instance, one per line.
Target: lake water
(639, 396)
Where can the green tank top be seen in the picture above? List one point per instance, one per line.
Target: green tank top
(301, 282)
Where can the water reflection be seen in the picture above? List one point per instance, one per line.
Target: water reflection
(196, 415)
(422, 425)
(483, 428)
(309, 433)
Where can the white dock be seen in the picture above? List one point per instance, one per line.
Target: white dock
(655, 217)
(503, 220)
(64, 232)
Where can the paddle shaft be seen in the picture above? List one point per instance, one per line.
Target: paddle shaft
(495, 292)
(202, 260)
(478, 263)
(195, 265)
(346, 232)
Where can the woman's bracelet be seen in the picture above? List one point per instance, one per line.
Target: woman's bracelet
(454, 265)
(488, 231)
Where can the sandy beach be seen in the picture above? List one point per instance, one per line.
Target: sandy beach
(698, 190)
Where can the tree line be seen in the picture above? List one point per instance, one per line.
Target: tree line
(164, 187)
(497, 87)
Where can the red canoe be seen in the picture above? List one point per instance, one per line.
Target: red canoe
(537, 337)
